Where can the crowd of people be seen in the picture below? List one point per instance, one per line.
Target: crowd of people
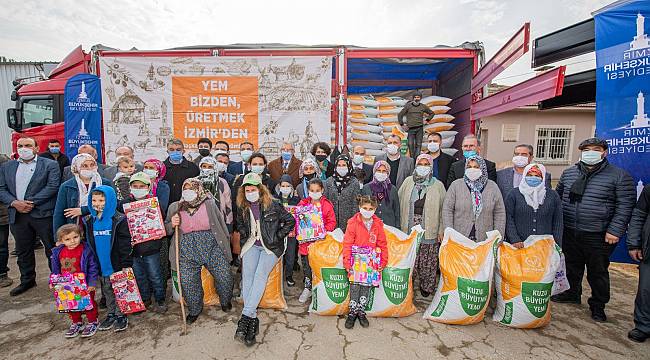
(232, 215)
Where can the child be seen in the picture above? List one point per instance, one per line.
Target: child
(329, 218)
(367, 230)
(73, 256)
(288, 198)
(146, 255)
(108, 236)
(126, 168)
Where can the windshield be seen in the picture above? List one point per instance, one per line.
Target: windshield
(37, 112)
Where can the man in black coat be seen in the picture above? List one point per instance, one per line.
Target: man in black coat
(54, 153)
(597, 202)
(638, 245)
(362, 171)
(441, 162)
(471, 146)
(179, 169)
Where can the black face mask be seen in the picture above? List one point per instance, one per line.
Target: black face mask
(204, 152)
(309, 176)
(321, 158)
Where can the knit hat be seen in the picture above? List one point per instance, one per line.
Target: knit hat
(286, 178)
(418, 93)
(252, 179)
(141, 177)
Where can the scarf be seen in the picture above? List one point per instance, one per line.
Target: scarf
(342, 182)
(162, 170)
(584, 173)
(201, 195)
(210, 182)
(534, 195)
(381, 190)
(427, 180)
(96, 180)
(476, 187)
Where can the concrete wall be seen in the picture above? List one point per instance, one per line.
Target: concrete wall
(582, 118)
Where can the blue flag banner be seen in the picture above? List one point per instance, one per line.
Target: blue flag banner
(83, 114)
(623, 91)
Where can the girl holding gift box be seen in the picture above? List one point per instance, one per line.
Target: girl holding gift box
(365, 229)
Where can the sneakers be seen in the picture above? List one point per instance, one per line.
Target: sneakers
(637, 335)
(90, 329)
(565, 298)
(5, 281)
(160, 307)
(121, 323)
(304, 296)
(290, 281)
(74, 330)
(598, 314)
(350, 320)
(107, 323)
(363, 320)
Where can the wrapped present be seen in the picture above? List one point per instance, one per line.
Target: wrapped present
(127, 294)
(309, 223)
(70, 292)
(365, 263)
(145, 220)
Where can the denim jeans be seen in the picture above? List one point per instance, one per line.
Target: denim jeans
(256, 267)
(4, 249)
(149, 277)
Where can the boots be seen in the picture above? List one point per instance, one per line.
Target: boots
(350, 320)
(242, 328)
(251, 331)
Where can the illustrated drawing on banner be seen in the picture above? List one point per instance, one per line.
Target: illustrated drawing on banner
(262, 100)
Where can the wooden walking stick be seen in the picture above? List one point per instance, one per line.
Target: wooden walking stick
(178, 273)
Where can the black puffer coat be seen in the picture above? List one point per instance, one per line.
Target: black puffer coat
(638, 235)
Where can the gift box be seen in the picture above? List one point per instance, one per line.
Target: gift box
(309, 223)
(127, 294)
(145, 220)
(70, 292)
(365, 262)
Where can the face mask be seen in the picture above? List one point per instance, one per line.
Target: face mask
(533, 181)
(286, 156)
(342, 170)
(286, 190)
(220, 167)
(204, 152)
(246, 154)
(175, 156)
(520, 161)
(258, 169)
(207, 172)
(253, 196)
(357, 159)
(422, 170)
(87, 174)
(591, 157)
(321, 157)
(433, 147)
(189, 195)
(139, 193)
(473, 174)
(315, 195)
(153, 174)
(381, 177)
(309, 176)
(392, 149)
(220, 152)
(25, 153)
(469, 153)
(366, 214)
(55, 150)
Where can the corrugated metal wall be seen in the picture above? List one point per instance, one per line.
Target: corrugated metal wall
(9, 71)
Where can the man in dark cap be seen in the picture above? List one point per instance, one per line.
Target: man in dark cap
(415, 111)
(597, 202)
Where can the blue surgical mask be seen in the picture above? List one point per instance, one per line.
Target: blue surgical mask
(533, 181)
(286, 155)
(591, 157)
(469, 153)
(176, 156)
(55, 150)
(258, 169)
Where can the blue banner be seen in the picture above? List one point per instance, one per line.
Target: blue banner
(623, 91)
(82, 114)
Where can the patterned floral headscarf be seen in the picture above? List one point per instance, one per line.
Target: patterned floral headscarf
(202, 195)
(476, 187)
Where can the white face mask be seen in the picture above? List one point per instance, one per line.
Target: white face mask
(258, 169)
(591, 157)
(153, 174)
(473, 174)
(366, 214)
(246, 154)
(207, 172)
(87, 174)
(315, 195)
(357, 159)
(189, 195)
(139, 193)
(381, 177)
(433, 147)
(286, 190)
(253, 196)
(392, 149)
(220, 167)
(422, 170)
(342, 170)
(520, 161)
(26, 154)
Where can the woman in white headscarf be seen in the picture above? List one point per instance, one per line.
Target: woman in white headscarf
(533, 209)
(72, 200)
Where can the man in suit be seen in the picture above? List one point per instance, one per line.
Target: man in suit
(236, 168)
(84, 149)
(471, 146)
(224, 159)
(28, 186)
(287, 163)
(509, 178)
(54, 153)
(401, 166)
(111, 171)
(362, 171)
(441, 161)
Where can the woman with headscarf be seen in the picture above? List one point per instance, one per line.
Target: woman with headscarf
(386, 194)
(474, 205)
(342, 190)
(72, 200)
(156, 171)
(218, 187)
(309, 169)
(203, 242)
(533, 209)
(421, 197)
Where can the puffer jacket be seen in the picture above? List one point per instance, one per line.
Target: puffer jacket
(275, 224)
(357, 234)
(607, 203)
(638, 234)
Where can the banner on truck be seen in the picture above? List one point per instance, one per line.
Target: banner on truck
(82, 114)
(623, 91)
(262, 100)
